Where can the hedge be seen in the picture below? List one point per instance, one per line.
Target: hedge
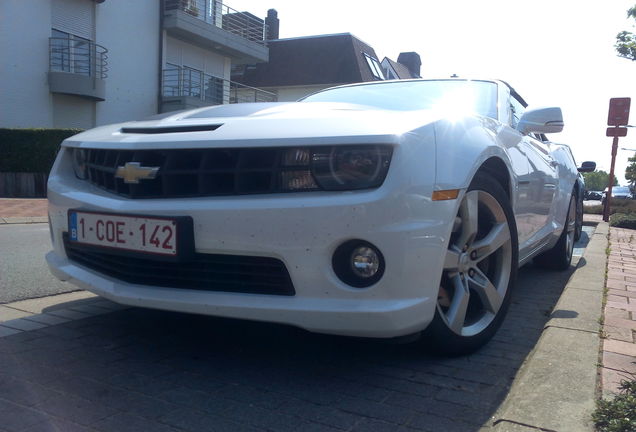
(621, 220)
(626, 206)
(31, 150)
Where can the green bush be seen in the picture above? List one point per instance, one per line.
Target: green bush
(622, 220)
(31, 150)
(625, 206)
(618, 414)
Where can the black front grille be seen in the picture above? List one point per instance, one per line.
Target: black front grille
(207, 272)
(190, 172)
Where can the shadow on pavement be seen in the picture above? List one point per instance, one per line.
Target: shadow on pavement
(143, 369)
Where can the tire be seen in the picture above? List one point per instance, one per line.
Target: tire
(560, 256)
(479, 272)
(579, 219)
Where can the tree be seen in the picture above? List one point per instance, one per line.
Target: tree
(597, 180)
(630, 171)
(626, 41)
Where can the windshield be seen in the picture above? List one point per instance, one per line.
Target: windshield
(449, 96)
(620, 189)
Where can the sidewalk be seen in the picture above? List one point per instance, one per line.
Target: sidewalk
(23, 210)
(619, 349)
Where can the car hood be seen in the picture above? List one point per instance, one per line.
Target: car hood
(260, 124)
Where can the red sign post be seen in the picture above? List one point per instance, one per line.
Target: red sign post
(618, 116)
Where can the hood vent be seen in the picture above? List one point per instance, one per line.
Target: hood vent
(169, 129)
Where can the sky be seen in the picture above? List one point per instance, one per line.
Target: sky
(553, 52)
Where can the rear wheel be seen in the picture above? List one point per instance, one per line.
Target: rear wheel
(579, 218)
(560, 256)
(479, 271)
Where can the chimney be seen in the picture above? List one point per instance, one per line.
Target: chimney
(272, 24)
(412, 62)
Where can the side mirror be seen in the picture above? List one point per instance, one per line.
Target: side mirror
(542, 120)
(587, 166)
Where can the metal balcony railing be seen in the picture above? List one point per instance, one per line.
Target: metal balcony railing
(184, 81)
(214, 12)
(79, 56)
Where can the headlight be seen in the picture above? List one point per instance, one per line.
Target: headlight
(347, 167)
(350, 167)
(79, 163)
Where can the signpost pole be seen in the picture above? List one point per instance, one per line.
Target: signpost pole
(608, 196)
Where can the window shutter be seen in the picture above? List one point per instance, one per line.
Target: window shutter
(74, 16)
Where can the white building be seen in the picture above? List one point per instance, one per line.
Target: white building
(85, 63)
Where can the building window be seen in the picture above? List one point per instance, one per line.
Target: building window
(71, 53)
(374, 66)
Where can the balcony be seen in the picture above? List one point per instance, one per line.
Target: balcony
(77, 67)
(185, 88)
(217, 27)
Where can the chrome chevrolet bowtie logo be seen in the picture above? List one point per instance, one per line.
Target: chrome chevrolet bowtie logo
(132, 172)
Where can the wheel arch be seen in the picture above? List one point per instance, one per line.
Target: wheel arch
(496, 168)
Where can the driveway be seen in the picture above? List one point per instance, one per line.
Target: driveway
(137, 369)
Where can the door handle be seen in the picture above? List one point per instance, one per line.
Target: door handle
(554, 163)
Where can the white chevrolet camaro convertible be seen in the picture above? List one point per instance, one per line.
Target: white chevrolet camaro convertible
(381, 210)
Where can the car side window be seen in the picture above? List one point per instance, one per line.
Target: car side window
(516, 110)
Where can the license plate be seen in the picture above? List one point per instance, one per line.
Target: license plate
(148, 235)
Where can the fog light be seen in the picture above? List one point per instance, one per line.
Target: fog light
(358, 263)
(365, 262)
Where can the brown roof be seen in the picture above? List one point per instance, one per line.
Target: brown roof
(323, 59)
(401, 70)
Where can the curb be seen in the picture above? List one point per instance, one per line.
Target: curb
(23, 220)
(555, 389)
(34, 314)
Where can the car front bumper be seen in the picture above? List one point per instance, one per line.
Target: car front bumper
(300, 229)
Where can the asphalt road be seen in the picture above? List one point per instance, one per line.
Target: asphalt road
(23, 271)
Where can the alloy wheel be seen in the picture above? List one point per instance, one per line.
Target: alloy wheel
(477, 266)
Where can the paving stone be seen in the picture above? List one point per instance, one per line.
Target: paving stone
(16, 388)
(410, 401)
(619, 362)
(611, 380)
(7, 331)
(44, 304)
(125, 422)
(619, 347)
(47, 319)
(90, 309)
(372, 425)
(325, 415)
(616, 313)
(68, 313)
(432, 423)
(15, 418)
(8, 313)
(75, 409)
(620, 322)
(624, 306)
(53, 424)
(619, 333)
(617, 299)
(375, 410)
(622, 293)
(196, 421)
(139, 405)
(23, 324)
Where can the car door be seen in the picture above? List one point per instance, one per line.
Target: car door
(543, 186)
